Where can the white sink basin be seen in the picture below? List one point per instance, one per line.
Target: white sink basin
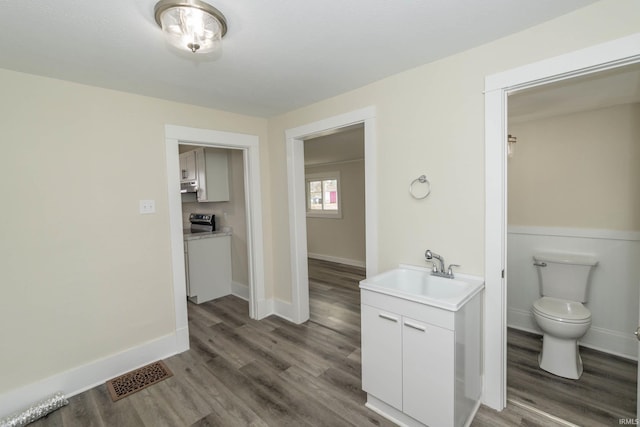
(417, 284)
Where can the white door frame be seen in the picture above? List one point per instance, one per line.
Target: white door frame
(174, 136)
(601, 57)
(297, 203)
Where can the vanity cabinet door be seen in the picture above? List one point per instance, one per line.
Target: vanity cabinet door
(382, 355)
(428, 372)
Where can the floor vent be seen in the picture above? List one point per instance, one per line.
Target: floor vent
(131, 382)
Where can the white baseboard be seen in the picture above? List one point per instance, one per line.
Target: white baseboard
(84, 377)
(522, 319)
(265, 308)
(601, 339)
(240, 290)
(339, 260)
(283, 309)
(276, 307)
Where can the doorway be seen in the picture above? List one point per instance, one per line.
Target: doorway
(174, 136)
(299, 310)
(334, 175)
(229, 215)
(602, 57)
(572, 175)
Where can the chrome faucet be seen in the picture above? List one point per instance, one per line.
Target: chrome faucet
(430, 256)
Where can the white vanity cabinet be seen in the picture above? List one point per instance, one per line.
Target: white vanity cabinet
(420, 364)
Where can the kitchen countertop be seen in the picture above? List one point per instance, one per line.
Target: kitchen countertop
(188, 235)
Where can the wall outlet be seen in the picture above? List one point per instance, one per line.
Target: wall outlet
(147, 206)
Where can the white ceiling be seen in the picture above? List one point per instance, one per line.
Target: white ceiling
(278, 55)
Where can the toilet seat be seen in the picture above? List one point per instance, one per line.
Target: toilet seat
(562, 310)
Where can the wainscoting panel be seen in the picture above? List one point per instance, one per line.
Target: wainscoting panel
(613, 293)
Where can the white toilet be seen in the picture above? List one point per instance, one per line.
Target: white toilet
(564, 280)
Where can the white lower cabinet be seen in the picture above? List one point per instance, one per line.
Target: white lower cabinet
(208, 268)
(420, 364)
(427, 377)
(382, 344)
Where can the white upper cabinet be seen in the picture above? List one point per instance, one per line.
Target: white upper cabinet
(209, 167)
(213, 174)
(188, 170)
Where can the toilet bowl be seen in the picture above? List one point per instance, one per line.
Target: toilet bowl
(560, 314)
(563, 323)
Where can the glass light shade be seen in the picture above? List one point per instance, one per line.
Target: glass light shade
(191, 25)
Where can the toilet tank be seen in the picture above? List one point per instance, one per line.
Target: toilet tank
(563, 275)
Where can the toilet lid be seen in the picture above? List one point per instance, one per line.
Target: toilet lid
(562, 310)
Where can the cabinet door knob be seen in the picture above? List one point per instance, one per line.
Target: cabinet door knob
(386, 316)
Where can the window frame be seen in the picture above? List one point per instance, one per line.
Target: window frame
(324, 213)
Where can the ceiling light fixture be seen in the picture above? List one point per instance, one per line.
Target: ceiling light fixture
(191, 24)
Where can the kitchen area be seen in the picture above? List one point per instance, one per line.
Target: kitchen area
(214, 222)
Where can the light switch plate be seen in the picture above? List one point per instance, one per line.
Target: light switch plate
(147, 206)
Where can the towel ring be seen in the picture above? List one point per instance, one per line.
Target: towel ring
(422, 179)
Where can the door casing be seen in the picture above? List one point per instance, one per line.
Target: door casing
(175, 135)
(605, 56)
(297, 200)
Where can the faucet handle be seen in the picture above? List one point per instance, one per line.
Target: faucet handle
(434, 267)
(450, 269)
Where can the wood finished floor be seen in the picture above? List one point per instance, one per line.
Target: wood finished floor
(604, 394)
(242, 372)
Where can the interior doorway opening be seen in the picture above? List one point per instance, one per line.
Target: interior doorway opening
(248, 144)
(298, 204)
(572, 129)
(601, 57)
(228, 211)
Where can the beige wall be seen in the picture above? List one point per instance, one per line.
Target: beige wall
(579, 170)
(344, 237)
(83, 274)
(430, 120)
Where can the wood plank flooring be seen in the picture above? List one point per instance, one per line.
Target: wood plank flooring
(242, 372)
(604, 394)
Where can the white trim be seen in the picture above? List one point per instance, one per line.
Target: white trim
(297, 200)
(283, 309)
(253, 200)
(345, 261)
(522, 320)
(585, 233)
(85, 377)
(240, 290)
(340, 162)
(608, 55)
(601, 57)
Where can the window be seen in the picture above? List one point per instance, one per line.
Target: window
(323, 195)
